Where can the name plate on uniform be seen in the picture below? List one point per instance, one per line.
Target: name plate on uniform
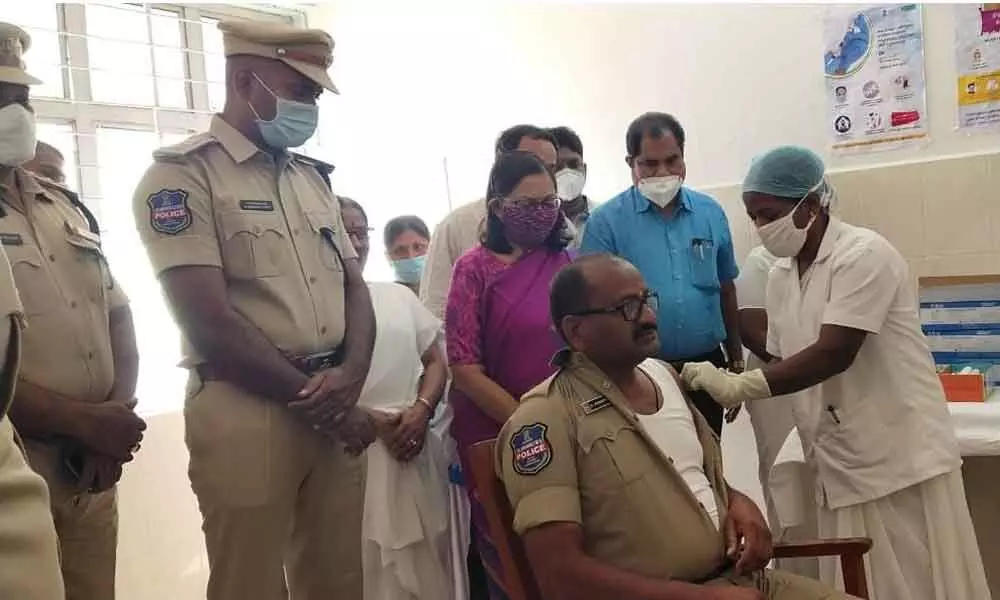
(11, 239)
(257, 205)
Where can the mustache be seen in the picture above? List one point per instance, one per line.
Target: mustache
(642, 330)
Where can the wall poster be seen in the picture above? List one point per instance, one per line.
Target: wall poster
(874, 67)
(977, 55)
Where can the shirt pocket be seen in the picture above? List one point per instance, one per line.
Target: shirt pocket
(614, 456)
(93, 265)
(253, 246)
(323, 224)
(39, 294)
(857, 437)
(703, 258)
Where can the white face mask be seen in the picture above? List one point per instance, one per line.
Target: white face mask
(660, 190)
(17, 135)
(781, 237)
(569, 184)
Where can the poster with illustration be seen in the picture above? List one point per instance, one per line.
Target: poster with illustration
(977, 55)
(874, 67)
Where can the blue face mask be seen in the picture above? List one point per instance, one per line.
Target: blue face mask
(293, 123)
(408, 270)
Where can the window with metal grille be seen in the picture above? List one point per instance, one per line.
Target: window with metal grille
(119, 81)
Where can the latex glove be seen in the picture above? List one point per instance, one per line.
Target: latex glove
(728, 389)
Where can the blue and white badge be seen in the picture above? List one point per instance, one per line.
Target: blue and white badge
(169, 212)
(532, 451)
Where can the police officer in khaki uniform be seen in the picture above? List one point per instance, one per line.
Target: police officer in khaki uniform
(29, 560)
(250, 247)
(616, 483)
(75, 391)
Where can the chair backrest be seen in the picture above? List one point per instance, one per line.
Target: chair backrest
(517, 579)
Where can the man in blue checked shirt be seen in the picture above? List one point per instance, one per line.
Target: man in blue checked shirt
(680, 241)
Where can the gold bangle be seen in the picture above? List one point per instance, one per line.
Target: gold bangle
(426, 403)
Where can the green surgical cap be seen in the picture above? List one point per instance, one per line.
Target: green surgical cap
(785, 172)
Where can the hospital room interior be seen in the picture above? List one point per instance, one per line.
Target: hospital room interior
(905, 130)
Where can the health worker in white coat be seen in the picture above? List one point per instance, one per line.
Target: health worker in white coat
(843, 318)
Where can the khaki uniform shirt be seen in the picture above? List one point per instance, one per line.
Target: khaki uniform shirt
(574, 451)
(29, 562)
(217, 200)
(66, 287)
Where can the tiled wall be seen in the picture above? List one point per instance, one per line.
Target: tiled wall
(942, 215)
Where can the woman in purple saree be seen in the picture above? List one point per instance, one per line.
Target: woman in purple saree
(498, 329)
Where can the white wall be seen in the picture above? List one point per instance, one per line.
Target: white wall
(422, 82)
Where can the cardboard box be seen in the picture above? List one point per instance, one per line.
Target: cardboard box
(964, 388)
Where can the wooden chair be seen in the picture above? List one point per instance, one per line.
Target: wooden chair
(519, 582)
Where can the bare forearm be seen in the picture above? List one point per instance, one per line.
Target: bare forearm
(40, 413)
(243, 355)
(753, 331)
(126, 356)
(359, 335)
(435, 375)
(812, 366)
(731, 318)
(485, 393)
(584, 578)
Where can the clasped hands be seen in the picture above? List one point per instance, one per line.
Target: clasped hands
(328, 402)
(728, 389)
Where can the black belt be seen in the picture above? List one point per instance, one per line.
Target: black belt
(308, 364)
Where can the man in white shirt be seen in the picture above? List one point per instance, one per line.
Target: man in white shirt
(843, 316)
(460, 230)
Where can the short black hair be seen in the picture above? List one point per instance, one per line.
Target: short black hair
(510, 138)
(397, 226)
(346, 202)
(654, 125)
(567, 138)
(569, 292)
(508, 170)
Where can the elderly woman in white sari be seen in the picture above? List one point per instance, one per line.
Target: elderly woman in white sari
(406, 541)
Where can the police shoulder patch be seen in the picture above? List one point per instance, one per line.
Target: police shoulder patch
(169, 212)
(532, 450)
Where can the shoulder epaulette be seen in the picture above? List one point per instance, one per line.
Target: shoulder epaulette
(312, 162)
(179, 150)
(74, 199)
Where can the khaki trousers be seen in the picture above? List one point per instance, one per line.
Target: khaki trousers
(29, 560)
(87, 526)
(281, 504)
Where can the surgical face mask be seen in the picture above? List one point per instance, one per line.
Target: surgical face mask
(660, 190)
(528, 225)
(293, 123)
(781, 237)
(569, 184)
(409, 270)
(17, 135)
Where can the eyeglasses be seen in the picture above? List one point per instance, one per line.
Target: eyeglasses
(361, 233)
(524, 201)
(630, 308)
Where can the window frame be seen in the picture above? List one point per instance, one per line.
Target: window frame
(86, 116)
